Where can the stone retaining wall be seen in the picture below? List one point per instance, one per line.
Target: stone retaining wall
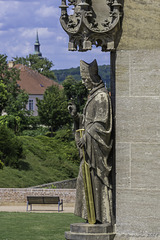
(67, 184)
(19, 195)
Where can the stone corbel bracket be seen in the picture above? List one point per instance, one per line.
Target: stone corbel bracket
(92, 22)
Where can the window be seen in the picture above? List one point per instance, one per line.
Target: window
(30, 105)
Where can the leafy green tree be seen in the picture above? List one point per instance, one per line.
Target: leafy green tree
(3, 96)
(42, 65)
(13, 98)
(52, 109)
(103, 70)
(17, 112)
(75, 91)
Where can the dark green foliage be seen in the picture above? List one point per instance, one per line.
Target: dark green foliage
(42, 65)
(104, 72)
(64, 134)
(39, 131)
(76, 92)
(1, 164)
(63, 73)
(33, 122)
(3, 96)
(52, 109)
(11, 150)
(11, 121)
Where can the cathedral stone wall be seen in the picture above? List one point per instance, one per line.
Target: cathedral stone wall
(137, 114)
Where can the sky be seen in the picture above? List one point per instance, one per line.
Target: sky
(21, 19)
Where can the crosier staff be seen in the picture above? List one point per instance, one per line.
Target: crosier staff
(87, 186)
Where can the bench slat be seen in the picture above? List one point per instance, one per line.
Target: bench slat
(34, 200)
(44, 200)
(51, 200)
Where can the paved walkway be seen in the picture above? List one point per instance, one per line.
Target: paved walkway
(67, 208)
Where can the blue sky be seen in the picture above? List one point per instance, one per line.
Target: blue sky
(19, 22)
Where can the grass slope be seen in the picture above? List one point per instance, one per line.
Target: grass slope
(47, 160)
(29, 226)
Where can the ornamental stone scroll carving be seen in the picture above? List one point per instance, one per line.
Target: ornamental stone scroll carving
(92, 22)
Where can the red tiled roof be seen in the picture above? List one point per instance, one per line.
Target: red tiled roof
(32, 81)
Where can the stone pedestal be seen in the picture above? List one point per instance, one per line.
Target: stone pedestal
(85, 231)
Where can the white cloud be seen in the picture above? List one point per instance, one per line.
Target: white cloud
(8, 7)
(31, 33)
(47, 11)
(61, 39)
(19, 22)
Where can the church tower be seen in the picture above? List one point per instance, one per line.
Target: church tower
(37, 47)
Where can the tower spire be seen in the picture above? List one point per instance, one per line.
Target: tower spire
(37, 47)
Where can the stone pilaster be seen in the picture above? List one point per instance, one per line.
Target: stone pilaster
(137, 114)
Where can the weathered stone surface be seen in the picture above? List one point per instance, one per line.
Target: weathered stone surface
(122, 71)
(89, 236)
(138, 73)
(93, 132)
(144, 73)
(91, 23)
(91, 228)
(65, 184)
(19, 195)
(138, 212)
(124, 237)
(138, 119)
(137, 81)
(123, 165)
(85, 231)
(141, 25)
(145, 166)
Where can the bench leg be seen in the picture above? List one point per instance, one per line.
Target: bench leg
(30, 207)
(62, 205)
(27, 206)
(58, 206)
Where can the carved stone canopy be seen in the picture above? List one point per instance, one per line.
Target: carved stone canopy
(93, 22)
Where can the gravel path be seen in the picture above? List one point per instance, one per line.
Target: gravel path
(67, 208)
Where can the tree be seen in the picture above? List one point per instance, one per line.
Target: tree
(103, 70)
(42, 65)
(75, 91)
(13, 98)
(3, 96)
(52, 109)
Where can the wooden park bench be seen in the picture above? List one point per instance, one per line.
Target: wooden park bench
(44, 200)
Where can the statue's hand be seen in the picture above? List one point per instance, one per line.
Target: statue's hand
(72, 109)
(81, 142)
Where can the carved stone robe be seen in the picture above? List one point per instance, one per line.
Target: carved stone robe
(97, 122)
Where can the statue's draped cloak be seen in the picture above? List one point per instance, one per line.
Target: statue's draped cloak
(97, 122)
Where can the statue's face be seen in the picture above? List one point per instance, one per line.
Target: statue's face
(87, 82)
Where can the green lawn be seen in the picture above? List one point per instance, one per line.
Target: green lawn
(35, 226)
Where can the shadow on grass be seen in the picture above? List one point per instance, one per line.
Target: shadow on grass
(22, 165)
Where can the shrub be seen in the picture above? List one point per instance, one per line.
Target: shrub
(11, 149)
(1, 164)
(64, 134)
(35, 132)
